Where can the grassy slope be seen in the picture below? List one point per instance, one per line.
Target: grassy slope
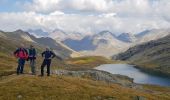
(152, 56)
(8, 62)
(69, 88)
(88, 62)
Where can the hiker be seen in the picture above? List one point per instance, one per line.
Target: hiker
(32, 57)
(48, 55)
(22, 54)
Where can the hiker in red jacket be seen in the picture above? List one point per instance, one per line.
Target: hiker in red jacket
(22, 55)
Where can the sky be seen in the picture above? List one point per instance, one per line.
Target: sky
(85, 16)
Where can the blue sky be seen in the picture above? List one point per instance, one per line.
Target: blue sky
(85, 16)
(14, 5)
(11, 5)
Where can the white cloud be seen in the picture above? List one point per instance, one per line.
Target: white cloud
(114, 15)
(107, 15)
(85, 5)
(79, 23)
(43, 6)
(56, 13)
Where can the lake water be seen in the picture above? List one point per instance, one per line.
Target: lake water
(136, 74)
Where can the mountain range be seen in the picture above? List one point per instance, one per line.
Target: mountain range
(17, 37)
(105, 43)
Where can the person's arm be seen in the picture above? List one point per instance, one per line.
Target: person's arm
(15, 52)
(26, 51)
(58, 57)
(42, 54)
(53, 55)
(35, 52)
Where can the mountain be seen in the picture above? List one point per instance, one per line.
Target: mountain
(79, 45)
(151, 56)
(38, 33)
(153, 34)
(59, 48)
(141, 34)
(104, 43)
(127, 37)
(60, 35)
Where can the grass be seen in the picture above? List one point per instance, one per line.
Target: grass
(89, 62)
(8, 64)
(27, 87)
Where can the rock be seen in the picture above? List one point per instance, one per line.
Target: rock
(139, 98)
(99, 76)
(19, 97)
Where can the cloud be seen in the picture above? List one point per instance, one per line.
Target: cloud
(42, 6)
(99, 6)
(77, 22)
(85, 5)
(89, 16)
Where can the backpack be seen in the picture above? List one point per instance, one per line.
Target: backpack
(22, 53)
(32, 53)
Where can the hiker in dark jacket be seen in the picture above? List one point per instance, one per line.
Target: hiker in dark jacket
(48, 55)
(32, 57)
(22, 54)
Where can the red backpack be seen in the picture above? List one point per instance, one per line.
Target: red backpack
(22, 53)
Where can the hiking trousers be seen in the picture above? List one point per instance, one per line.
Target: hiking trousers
(20, 67)
(46, 62)
(32, 65)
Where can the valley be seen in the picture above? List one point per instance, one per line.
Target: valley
(84, 50)
(105, 41)
(68, 75)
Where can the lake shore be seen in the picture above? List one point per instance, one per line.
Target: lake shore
(153, 71)
(138, 75)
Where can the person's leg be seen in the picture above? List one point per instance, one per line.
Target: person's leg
(22, 65)
(19, 66)
(48, 67)
(32, 65)
(42, 67)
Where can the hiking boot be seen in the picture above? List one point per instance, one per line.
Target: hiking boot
(41, 75)
(33, 74)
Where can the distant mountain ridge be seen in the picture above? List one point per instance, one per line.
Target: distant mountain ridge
(127, 37)
(105, 41)
(60, 35)
(97, 44)
(153, 34)
(59, 48)
(38, 32)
